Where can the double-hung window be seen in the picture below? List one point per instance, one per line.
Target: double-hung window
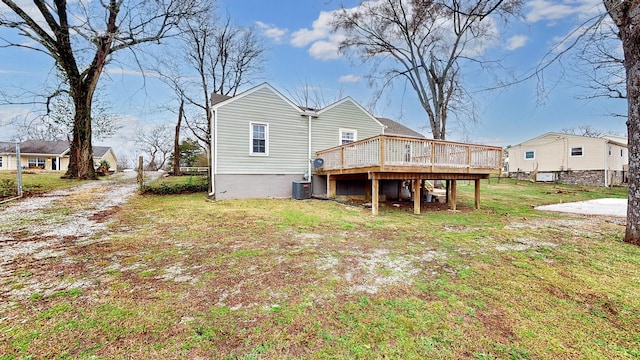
(347, 136)
(259, 139)
(0, 161)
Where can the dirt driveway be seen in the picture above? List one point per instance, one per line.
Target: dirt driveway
(46, 226)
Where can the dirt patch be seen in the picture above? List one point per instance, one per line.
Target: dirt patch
(46, 226)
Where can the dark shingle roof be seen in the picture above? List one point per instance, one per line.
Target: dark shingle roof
(7, 148)
(395, 128)
(52, 148)
(44, 147)
(218, 98)
(100, 151)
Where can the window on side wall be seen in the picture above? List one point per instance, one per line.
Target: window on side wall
(577, 151)
(347, 136)
(1, 161)
(621, 152)
(529, 155)
(259, 139)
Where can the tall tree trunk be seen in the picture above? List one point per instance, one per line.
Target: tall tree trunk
(626, 16)
(176, 141)
(631, 44)
(81, 148)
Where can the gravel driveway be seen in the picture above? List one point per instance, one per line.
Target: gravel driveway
(46, 226)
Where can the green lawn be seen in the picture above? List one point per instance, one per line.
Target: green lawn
(189, 278)
(34, 182)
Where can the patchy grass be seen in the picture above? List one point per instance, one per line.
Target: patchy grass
(271, 279)
(35, 182)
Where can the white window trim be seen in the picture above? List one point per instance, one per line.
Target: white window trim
(525, 155)
(266, 139)
(343, 130)
(576, 147)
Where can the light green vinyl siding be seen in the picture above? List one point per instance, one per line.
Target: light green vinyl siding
(345, 115)
(287, 135)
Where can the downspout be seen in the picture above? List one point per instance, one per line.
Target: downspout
(309, 157)
(310, 114)
(606, 170)
(214, 153)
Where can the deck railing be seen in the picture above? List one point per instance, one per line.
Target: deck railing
(396, 151)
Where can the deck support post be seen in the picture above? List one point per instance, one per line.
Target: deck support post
(477, 192)
(447, 189)
(416, 196)
(452, 198)
(331, 186)
(367, 191)
(400, 190)
(374, 196)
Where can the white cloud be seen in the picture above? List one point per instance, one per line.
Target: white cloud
(320, 29)
(349, 78)
(516, 41)
(272, 32)
(324, 42)
(547, 10)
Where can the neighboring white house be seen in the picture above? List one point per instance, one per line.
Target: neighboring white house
(262, 141)
(49, 155)
(571, 159)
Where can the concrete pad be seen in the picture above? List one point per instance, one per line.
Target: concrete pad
(609, 207)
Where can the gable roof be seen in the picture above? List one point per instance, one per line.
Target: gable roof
(222, 102)
(395, 128)
(349, 99)
(100, 151)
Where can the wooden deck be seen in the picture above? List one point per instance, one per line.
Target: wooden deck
(388, 157)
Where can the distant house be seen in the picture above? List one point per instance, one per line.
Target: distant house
(49, 155)
(571, 159)
(263, 141)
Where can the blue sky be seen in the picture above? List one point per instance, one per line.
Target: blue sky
(302, 50)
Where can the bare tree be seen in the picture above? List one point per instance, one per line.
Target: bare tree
(57, 122)
(157, 143)
(423, 42)
(313, 96)
(626, 16)
(583, 130)
(224, 58)
(601, 62)
(82, 37)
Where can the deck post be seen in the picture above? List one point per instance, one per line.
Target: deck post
(367, 191)
(416, 197)
(447, 192)
(477, 190)
(382, 150)
(331, 186)
(374, 196)
(454, 186)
